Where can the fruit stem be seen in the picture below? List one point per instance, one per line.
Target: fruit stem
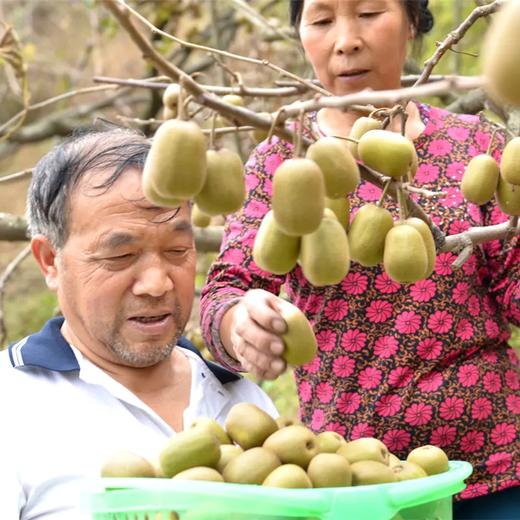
(212, 133)
(488, 151)
(274, 123)
(350, 139)
(180, 100)
(298, 135)
(385, 190)
(403, 210)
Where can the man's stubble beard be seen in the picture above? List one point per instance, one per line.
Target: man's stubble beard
(151, 354)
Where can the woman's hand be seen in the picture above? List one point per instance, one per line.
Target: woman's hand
(255, 334)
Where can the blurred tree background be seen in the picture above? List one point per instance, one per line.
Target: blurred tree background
(64, 44)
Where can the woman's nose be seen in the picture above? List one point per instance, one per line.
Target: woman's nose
(348, 38)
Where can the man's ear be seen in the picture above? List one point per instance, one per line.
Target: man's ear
(46, 257)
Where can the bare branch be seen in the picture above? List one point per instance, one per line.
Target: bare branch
(455, 36)
(15, 177)
(4, 277)
(13, 228)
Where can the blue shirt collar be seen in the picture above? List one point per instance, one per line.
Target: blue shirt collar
(48, 349)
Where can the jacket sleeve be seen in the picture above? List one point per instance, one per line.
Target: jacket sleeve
(503, 257)
(234, 272)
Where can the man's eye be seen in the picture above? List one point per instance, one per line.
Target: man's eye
(370, 14)
(323, 21)
(120, 257)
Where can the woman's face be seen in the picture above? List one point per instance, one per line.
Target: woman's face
(355, 44)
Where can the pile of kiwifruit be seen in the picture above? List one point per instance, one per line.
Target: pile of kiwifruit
(253, 448)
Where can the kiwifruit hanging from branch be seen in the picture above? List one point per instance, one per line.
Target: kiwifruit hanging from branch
(341, 208)
(324, 255)
(428, 240)
(170, 96)
(367, 234)
(500, 53)
(360, 127)
(386, 152)
(260, 134)
(199, 218)
(176, 163)
(405, 256)
(298, 196)
(273, 250)
(508, 197)
(340, 170)
(480, 179)
(224, 190)
(154, 197)
(510, 162)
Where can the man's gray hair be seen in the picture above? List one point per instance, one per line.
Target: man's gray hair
(59, 172)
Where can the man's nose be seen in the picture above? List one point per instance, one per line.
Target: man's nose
(153, 279)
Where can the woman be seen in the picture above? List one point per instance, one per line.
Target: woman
(424, 363)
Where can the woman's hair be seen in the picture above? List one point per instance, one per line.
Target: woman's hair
(417, 10)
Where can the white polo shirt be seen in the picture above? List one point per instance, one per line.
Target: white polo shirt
(62, 416)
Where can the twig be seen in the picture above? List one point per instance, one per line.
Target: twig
(212, 50)
(455, 36)
(4, 277)
(55, 99)
(422, 191)
(15, 177)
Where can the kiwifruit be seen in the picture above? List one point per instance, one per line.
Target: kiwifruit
(510, 162)
(408, 471)
(170, 96)
(187, 449)
(341, 208)
(413, 167)
(480, 179)
(176, 162)
(230, 99)
(248, 425)
(125, 464)
(288, 476)
(199, 473)
(365, 472)
(500, 53)
(224, 189)
(405, 258)
(227, 452)
(324, 253)
(234, 99)
(428, 240)
(329, 470)
(393, 460)
(367, 234)
(431, 459)
(213, 427)
(154, 197)
(298, 197)
(508, 197)
(251, 467)
(364, 448)
(387, 152)
(293, 445)
(260, 134)
(273, 250)
(169, 113)
(339, 168)
(299, 339)
(199, 218)
(282, 422)
(329, 442)
(361, 126)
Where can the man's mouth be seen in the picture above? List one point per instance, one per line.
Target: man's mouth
(150, 319)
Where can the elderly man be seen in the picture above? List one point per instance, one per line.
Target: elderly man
(114, 373)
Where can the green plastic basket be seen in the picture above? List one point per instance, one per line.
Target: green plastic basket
(428, 498)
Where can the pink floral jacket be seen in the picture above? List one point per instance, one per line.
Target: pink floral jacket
(424, 363)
